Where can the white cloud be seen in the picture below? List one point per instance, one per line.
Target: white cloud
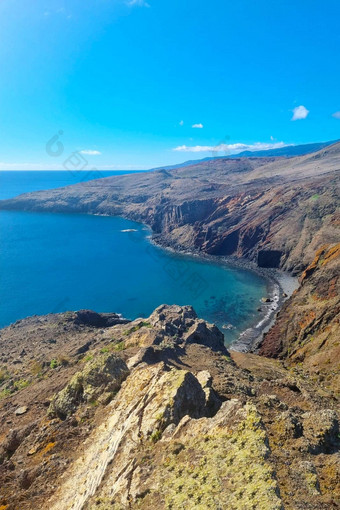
(138, 3)
(90, 152)
(336, 115)
(181, 123)
(197, 126)
(233, 148)
(300, 112)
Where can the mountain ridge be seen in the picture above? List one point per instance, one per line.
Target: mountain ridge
(268, 210)
(287, 151)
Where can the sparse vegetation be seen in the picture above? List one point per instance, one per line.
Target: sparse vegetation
(120, 346)
(156, 436)
(54, 364)
(21, 384)
(143, 324)
(5, 393)
(3, 374)
(36, 368)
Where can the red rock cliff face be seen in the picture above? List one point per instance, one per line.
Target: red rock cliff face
(307, 331)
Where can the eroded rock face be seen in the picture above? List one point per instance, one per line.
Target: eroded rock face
(242, 207)
(173, 326)
(99, 379)
(190, 426)
(321, 429)
(173, 320)
(200, 463)
(206, 334)
(306, 332)
(151, 399)
(269, 258)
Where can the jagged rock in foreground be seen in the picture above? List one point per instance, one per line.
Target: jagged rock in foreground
(162, 416)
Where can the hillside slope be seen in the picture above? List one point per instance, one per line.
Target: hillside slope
(274, 211)
(100, 413)
(288, 151)
(307, 330)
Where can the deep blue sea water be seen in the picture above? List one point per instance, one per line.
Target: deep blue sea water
(51, 263)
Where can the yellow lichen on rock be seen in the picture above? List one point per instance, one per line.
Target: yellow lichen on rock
(222, 466)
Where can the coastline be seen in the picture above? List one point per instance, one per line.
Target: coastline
(280, 286)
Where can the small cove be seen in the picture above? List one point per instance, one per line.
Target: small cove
(51, 263)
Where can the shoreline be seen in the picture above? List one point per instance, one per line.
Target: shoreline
(280, 286)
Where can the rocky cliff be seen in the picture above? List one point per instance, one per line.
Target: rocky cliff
(98, 412)
(274, 211)
(306, 333)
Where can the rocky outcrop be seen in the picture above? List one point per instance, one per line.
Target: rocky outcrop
(200, 464)
(99, 380)
(98, 320)
(152, 399)
(187, 425)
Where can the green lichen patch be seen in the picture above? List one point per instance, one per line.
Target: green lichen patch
(227, 469)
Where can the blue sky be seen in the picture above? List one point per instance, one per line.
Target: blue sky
(126, 81)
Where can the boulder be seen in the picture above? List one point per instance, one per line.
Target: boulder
(21, 410)
(321, 429)
(203, 333)
(100, 378)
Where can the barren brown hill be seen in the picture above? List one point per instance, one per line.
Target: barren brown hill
(275, 211)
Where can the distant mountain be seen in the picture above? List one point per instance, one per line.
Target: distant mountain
(288, 152)
(284, 207)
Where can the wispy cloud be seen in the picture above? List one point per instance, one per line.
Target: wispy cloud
(90, 152)
(138, 3)
(300, 112)
(181, 123)
(232, 147)
(197, 126)
(62, 11)
(336, 115)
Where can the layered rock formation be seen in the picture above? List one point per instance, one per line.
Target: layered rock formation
(307, 331)
(156, 413)
(274, 211)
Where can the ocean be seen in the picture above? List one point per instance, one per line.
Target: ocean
(51, 263)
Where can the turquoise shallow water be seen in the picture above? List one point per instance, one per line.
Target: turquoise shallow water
(58, 262)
